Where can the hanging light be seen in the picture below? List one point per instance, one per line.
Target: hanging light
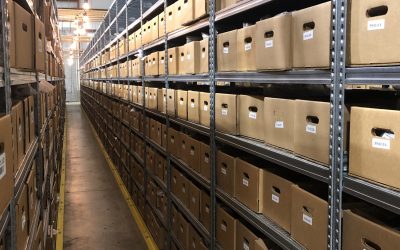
(86, 5)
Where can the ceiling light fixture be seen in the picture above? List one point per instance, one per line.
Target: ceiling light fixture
(86, 5)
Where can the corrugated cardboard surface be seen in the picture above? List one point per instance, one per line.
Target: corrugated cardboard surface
(32, 198)
(181, 104)
(205, 217)
(183, 147)
(193, 106)
(251, 116)
(227, 3)
(192, 60)
(11, 34)
(246, 239)
(249, 185)
(154, 28)
(161, 21)
(205, 160)
(32, 134)
(203, 56)
(279, 122)
(311, 139)
(361, 233)
(183, 231)
(194, 154)
(161, 63)
(311, 47)
(194, 200)
(246, 48)
(40, 45)
(226, 229)
(226, 172)
(14, 132)
(23, 38)
(273, 41)
(226, 113)
(181, 60)
(173, 143)
(201, 8)
(162, 100)
(171, 102)
(227, 51)
(204, 106)
(187, 10)
(6, 155)
(309, 223)
(20, 133)
(372, 156)
(22, 219)
(173, 59)
(374, 39)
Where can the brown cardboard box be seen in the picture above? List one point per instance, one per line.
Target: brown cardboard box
(251, 116)
(122, 47)
(249, 181)
(23, 38)
(11, 33)
(32, 134)
(226, 165)
(192, 57)
(173, 143)
(154, 64)
(183, 231)
(138, 38)
(246, 48)
(175, 182)
(246, 239)
(6, 162)
(309, 222)
(22, 219)
(170, 12)
(171, 93)
(194, 200)
(194, 154)
(154, 28)
(134, 92)
(374, 37)
(40, 45)
(205, 160)
(374, 145)
(311, 130)
(181, 60)
(193, 106)
(195, 241)
(32, 196)
(312, 36)
(131, 42)
(164, 136)
(161, 63)
(277, 199)
(178, 14)
(174, 220)
(226, 113)
(162, 100)
(273, 36)
(361, 233)
(204, 109)
(228, 3)
(181, 104)
(20, 134)
(203, 55)
(161, 23)
(183, 150)
(279, 122)
(14, 132)
(187, 11)
(173, 61)
(226, 229)
(160, 166)
(153, 98)
(227, 51)
(205, 209)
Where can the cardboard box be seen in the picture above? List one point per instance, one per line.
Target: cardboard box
(183, 150)
(170, 12)
(204, 110)
(138, 38)
(22, 209)
(175, 181)
(171, 101)
(312, 36)
(6, 162)
(192, 57)
(228, 3)
(205, 210)
(23, 38)
(14, 132)
(201, 8)
(249, 181)
(205, 160)
(277, 199)
(32, 195)
(39, 45)
(279, 122)
(161, 63)
(174, 220)
(187, 11)
(193, 106)
(246, 48)
(153, 98)
(194, 154)
(226, 166)
(181, 105)
(20, 134)
(154, 28)
(194, 200)
(173, 137)
(359, 232)
(226, 113)
(273, 41)
(160, 166)
(203, 68)
(226, 229)
(227, 51)
(195, 241)
(311, 130)
(32, 134)
(251, 116)
(11, 34)
(246, 239)
(309, 222)
(374, 145)
(131, 42)
(373, 33)
(161, 23)
(178, 14)
(183, 231)
(134, 93)
(162, 100)
(173, 61)
(153, 61)
(122, 47)
(181, 60)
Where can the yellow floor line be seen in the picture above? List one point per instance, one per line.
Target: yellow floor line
(60, 217)
(132, 207)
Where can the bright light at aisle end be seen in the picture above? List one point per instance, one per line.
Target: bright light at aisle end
(70, 61)
(86, 6)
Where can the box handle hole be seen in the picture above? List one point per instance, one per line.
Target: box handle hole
(269, 34)
(276, 190)
(246, 175)
(309, 26)
(312, 119)
(248, 40)
(253, 109)
(369, 245)
(224, 105)
(377, 11)
(383, 132)
(226, 44)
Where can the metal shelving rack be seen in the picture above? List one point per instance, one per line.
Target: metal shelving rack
(336, 79)
(13, 77)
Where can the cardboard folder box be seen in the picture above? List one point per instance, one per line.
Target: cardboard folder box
(154, 64)
(279, 122)
(204, 110)
(246, 239)
(170, 17)
(203, 56)
(39, 45)
(205, 160)
(14, 132)
(138, 38)
(228, 3)
(192, 58)
(131, 42)
(32, 197)
(248, 188)
(173, 61)
(193, 106)
(6, 162)
(273, 41)
(182, 151)
(161, 63)
(246, 48)
(227, 51)
(181, 60)
(161, 24)
(194, 200)
(226, 169)
(173, 143)
(364, 232)
(194, 154)
(226, 229)
(22, 226)
(171, 104)
(205, 210)
(134, 93)
(184, 190)
(175, 181)
(181, 104)
(226, 113)
(251, 116)
(183, 231)
(373, 33)
(312, 36)
(32, 134)
(178, 14)
(195, 241)
(162, 100)
(122, 47)
(20, 133)
(187, 10)
(374, 145)
(154, 29)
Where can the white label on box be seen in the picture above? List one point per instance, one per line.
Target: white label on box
(192, 104)
(376, 24)
(226, 50)
(2, 165)
(381, 143)
(23, 221)
(246, 182)
(154, 62)
(224, 112)
(252, 115)
(223, 170)
(207, 210)
(191, 152)
(205, 108)
(279, 124)
(162, 61)
(170, 59)
(311, 129)
(245, 246)
(223, 227)
(194, 199)
(40, 47)
(203, 55)
(269, 43)
(308, 35)
(32, 117)
(275, 198)
(180, 102)
(182, 58)
(206, 160)
(307, 219)
(183, 190)
(188, 56)
(247, 46)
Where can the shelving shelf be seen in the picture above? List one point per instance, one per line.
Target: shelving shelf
(4, 220)
(373, 75)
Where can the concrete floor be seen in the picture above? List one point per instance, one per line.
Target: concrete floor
(96, 214)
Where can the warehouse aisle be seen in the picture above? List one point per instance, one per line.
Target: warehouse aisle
(96, 214)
